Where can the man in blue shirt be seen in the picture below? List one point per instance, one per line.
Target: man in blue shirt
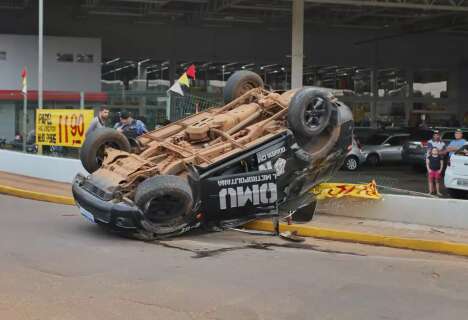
(456, 144)
(130, 127)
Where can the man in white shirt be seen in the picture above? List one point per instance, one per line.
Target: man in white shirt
(99, 121)
(436, 142)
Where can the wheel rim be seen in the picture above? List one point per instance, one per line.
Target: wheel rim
(315, 113)
(163, 208)
(351, 164)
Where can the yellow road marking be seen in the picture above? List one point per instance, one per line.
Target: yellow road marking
(34, 195)
(438, 246)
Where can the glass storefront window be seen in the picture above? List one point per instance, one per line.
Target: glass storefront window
(391, 114)
(433, 114)
(361, 113)
(392, 82)
(430, 84)
(430, 107)
(351, 81)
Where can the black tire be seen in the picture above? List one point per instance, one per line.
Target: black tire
(309, 113)
(373, 160)
(351, 163)
(457, 194)
(306, 213)
(166, 203)
(92, 151)
(239, 83)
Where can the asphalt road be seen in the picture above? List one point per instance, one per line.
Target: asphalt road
(54, 265)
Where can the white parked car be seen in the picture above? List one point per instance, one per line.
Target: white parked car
(456, 175)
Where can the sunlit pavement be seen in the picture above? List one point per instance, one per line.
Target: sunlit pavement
(54, 265)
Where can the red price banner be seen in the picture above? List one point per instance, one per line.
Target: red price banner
(62, 127)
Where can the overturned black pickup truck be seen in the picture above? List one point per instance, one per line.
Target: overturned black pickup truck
(255, 157)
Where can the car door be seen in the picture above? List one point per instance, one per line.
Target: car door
(241, 195)
(391, 148)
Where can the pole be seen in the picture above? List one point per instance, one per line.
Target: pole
(285, 79)
(25, 119)
(82, 100)
(297, 44)
(41, 55)
(40, 86)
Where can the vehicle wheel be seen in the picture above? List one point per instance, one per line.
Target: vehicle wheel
(92, 151)
(239, 83)
(457, 194)
(166, 203)
(373, 160)
(306, 213)
(309, 113)
(351, 163)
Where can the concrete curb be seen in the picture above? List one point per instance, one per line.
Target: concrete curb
(34, 195)
(455, 248)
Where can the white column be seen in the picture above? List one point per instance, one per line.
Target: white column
(40, 55)
(297, 43)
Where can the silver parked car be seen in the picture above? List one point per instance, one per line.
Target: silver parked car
(355, 157)
(383, 147)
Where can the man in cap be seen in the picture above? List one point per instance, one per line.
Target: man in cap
(457, 143)
(130, 127)
(436, 142)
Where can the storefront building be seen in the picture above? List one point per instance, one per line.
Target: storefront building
(398, 64)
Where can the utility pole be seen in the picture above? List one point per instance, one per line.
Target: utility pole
(40, 76)
(297, 44)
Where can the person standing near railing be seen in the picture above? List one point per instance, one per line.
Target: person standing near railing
(434, 164)
(456, 144)
(99, 121)
(130, 127)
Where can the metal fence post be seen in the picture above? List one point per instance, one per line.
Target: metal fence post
(25, 119)
(82, 100)
(168, 106)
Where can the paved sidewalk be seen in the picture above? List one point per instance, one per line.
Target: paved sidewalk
(398, 229)
(35, 184)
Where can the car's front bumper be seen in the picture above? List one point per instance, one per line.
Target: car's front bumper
(118, 215)
(359, 155)
(455, 181)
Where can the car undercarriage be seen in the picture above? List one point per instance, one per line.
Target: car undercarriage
(261, 151)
